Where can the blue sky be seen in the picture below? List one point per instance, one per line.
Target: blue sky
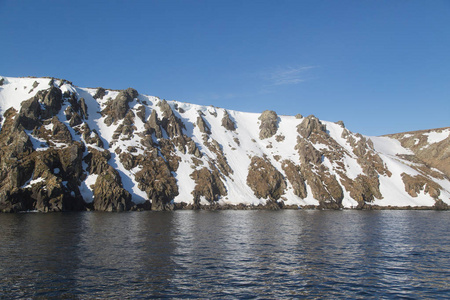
(380, 66)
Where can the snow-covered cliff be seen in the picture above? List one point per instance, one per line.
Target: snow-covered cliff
(63, 147)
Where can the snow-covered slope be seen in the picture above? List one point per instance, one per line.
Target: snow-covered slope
(120, 150)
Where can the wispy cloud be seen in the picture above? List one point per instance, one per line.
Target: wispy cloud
(287, 75)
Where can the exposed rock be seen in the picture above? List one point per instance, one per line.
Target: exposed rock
(54, 131)
(208, 185)
(171, 124)
(269, 124)
(212, 111)
(75, 120)
(83, 108)
(415, 184)
(324, 188)
(52, 101)
(279, 138)
(436, 155)
(128, 160)
(227, 122)
(152, 125)
(156, 179)
(307, 152)
(70, 158)
(14, 141)
(264, 179)
(50, 190)
(100, 93)
(441, 205)
(109, 195)
(202, 125)
(35, 85)
(167, 150)
(341, 123)
(118, 108)
(295, 177)
(363, 189)
(309, 125)
(220, 161)
(193, 149)
(141, 113)
(90, 137)
(298, 116)
(29, 114)
(97, 161)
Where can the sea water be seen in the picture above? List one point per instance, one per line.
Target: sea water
(226, 255)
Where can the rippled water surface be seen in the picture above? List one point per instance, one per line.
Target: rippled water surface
(226, 254)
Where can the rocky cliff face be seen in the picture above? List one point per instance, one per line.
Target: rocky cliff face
(64, 147)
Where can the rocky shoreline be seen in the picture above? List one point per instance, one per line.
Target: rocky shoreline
(269, 207)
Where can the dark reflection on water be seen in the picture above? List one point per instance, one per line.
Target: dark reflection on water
(227, 254)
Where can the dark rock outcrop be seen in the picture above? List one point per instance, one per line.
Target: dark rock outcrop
(414, 185)
(208, 185)
(100, 93)
(227, 122)
(153, 126)
(202, 125)
(295, 177)
(109, 194)
(29, 114)
(309, 125)
(52, 101)
(264, 179)
(119, 107)
(269, 124)
(156, 179)
(171, 123)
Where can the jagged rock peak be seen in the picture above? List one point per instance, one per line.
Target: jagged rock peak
(341, 123)
(152, 125)
(52, 101)
(118, 108)
(309, 125)
(29, 114)
(100, 93)
(269, 124)
(170, 122)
